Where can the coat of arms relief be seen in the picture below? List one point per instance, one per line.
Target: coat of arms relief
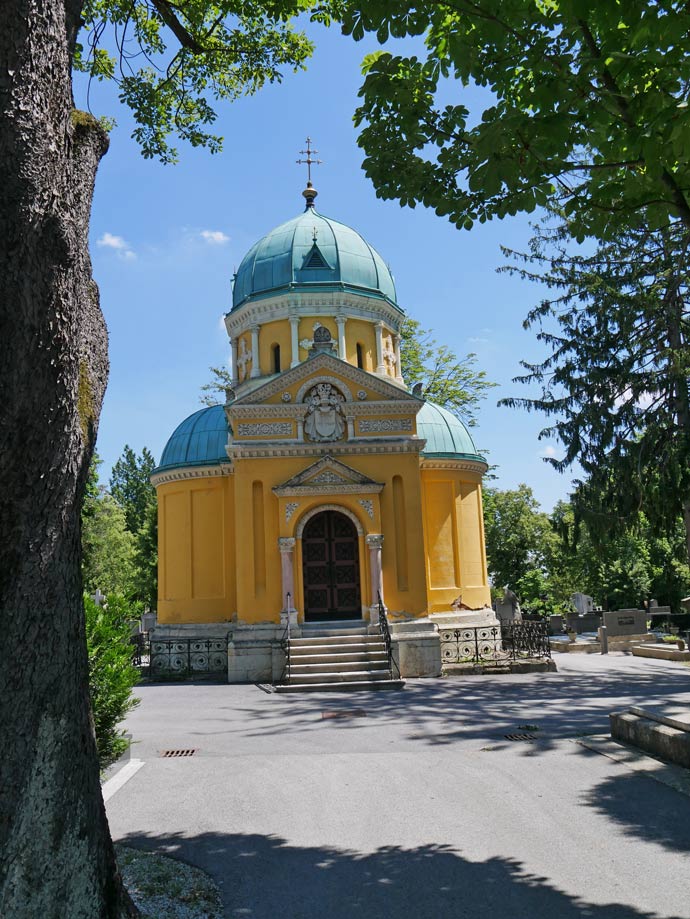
(324, 419)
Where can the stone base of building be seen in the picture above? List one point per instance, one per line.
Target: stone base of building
(255, 654)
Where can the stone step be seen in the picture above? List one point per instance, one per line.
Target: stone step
(352, 686)
(329, 667)
(340, 676)
(326, 631)
(335, 640)
(337, 658)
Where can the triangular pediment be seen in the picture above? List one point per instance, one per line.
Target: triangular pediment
(321, 364)
(328, 476)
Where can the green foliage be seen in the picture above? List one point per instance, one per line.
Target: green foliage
(111, 674)
(130, 485)
(145, 580)
(518, 538)
(173, 61)
(215, 391)
(616, 378)
(447, 380)
(587, 104)
(107, 546)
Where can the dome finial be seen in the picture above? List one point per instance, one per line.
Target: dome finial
(309, 192)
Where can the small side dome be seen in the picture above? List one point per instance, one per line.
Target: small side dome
(312, 252)
(199, 440)
(445, 435)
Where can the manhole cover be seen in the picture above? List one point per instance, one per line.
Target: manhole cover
(353, 713)
(528, 738)
(172, 753)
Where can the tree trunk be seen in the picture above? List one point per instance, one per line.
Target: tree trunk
(56, 856)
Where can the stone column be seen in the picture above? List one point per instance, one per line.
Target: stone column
(235, 368)
(256, 370)
(286, 544)
(375, 542)
(342, 351)
(398, 371)
(380, 366)
(294, 339)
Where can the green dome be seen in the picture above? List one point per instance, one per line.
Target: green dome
(445, 435)
(199, 441)
(313, 252)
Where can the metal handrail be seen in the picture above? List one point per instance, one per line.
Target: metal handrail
(285, 640)
(386, 635)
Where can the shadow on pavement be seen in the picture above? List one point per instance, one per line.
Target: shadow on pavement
(440, 712)
(264, 877)
(662, 818)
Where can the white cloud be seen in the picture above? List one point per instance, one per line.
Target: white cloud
(214, 237)
(118, 244)
(478, 341)
(548, 451)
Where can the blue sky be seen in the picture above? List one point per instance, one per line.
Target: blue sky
(166, 240)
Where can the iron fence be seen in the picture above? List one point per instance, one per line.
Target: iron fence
(386, 636)
(180, 657)
(495, 645)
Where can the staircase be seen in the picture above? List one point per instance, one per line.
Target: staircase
(338, 657)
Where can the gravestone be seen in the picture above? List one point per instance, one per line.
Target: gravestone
(626, 622)
(508, 609)
(555, 625)
(583, 603)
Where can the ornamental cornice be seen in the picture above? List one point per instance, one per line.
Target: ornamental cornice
(273, 410)
(191, 472)
(367, 447)
(384, 407)
(345, 489)
(296, 409)
(326, 304)
(464, 465)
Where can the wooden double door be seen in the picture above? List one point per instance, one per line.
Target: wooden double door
(330, 568)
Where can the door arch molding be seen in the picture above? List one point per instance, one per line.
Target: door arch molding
(306, 517)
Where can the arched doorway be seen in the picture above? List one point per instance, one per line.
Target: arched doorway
(330, 568)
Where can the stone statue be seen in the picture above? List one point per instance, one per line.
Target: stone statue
(324, 419)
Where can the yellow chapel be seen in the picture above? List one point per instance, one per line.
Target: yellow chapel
(324, 494)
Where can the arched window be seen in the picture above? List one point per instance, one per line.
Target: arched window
(360, 356)
(276, 358)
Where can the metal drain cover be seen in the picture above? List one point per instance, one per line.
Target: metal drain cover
(353, 713)
(528, 738)
(174, 753)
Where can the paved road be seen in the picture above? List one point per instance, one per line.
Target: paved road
(417, 807)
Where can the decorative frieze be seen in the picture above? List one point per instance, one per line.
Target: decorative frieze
(290, 509)
(384, 425)
(266, 428)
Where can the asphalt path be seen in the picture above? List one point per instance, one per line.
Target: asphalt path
(414, 804)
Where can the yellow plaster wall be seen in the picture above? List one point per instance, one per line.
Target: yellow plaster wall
(196, 550)
(274, 333)
(454, 539)
(360, 330)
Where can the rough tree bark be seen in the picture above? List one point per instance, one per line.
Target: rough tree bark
(56, 855)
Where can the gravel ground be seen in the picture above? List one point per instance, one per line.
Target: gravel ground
(166, 888)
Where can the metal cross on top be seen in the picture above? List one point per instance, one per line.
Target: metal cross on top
(309, 162)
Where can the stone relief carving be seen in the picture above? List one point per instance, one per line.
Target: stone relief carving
(244, 358)
(277, 428)
(324, 419)
(327, 478)
(384, 425)
(389, 352)
(290, 509)
(286, 397)
(368, 506)
(361, 394)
